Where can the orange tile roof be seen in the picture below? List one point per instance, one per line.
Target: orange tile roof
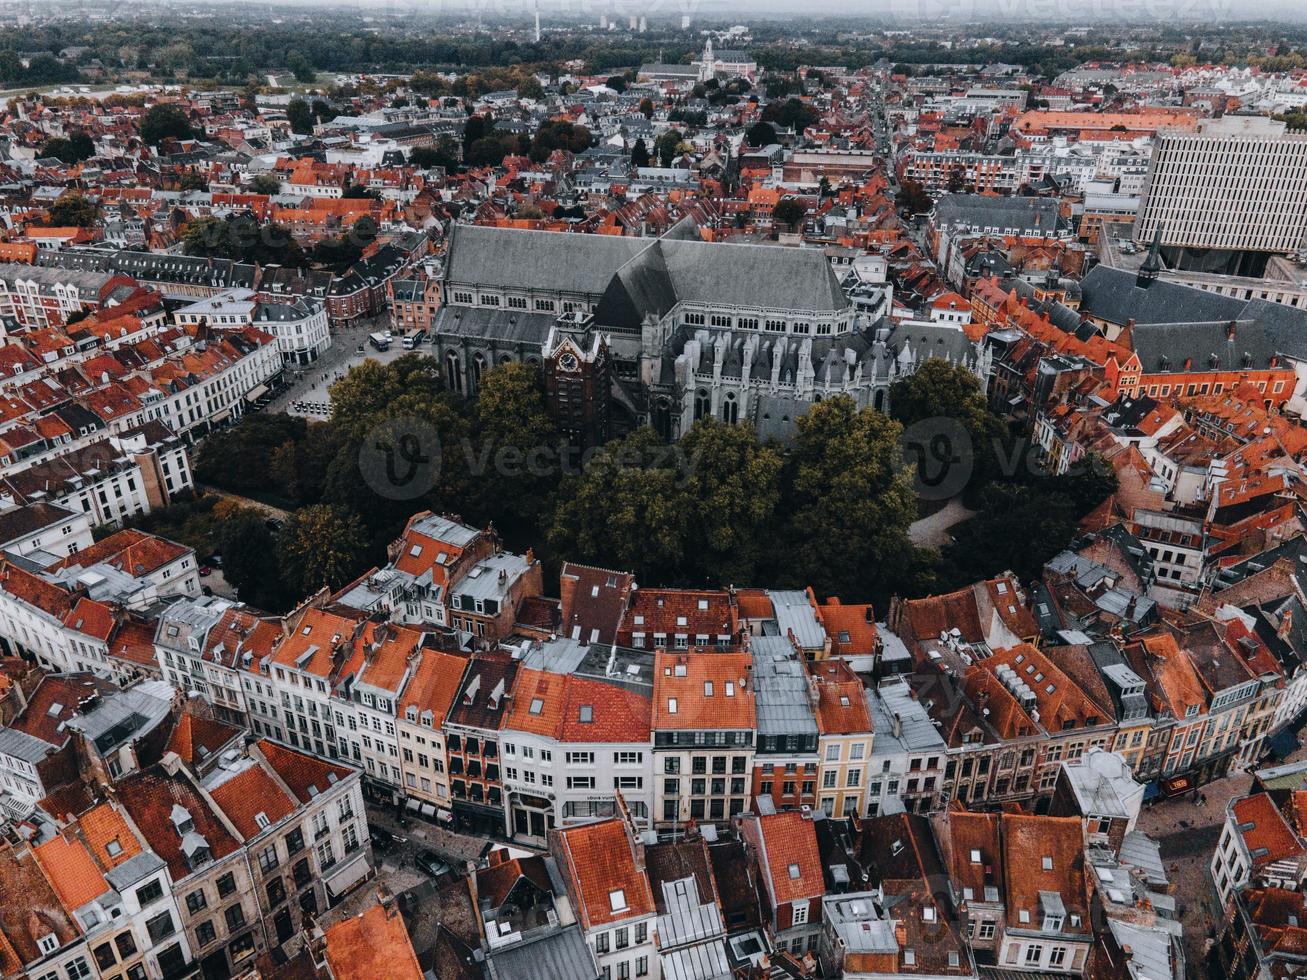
(841, 699)
(372, 944)
(1027, 842)
(101, 826)
(434, 685)
(681, 691)
(72, 871)
(793, 861)
(601, 862)
(301, 772)
(130, 551)
(1264, 830)
(249, 793)
(321, 631)
(852, 629)
(577, 709)
(196, 739)
(381, 655)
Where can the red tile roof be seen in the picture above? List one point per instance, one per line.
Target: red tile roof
(150, 795)
(600, 863)
(682, 686)
(249, 793)
(577, 709)
(301, 772)
(1264, 830)
(791, 859)
(373, 944)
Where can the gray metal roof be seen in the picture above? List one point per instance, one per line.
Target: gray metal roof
(19, 745)
(134, 869)
(1150, 950)
(547, 261)
(780, 689)
(794, 611)
(918, 732)
(561, 955)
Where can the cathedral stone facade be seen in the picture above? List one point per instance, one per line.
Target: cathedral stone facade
(691, 328)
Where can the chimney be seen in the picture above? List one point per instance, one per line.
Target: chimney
(1286, 625)
(1229, 331)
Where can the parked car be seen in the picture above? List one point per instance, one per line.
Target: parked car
(382, 839)
(430, 862)
(205, 571)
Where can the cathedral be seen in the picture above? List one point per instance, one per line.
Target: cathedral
(677, 328)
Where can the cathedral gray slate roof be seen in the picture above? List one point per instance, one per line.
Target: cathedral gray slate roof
(638, 276)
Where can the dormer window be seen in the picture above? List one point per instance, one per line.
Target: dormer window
(48, 943)
(1052, 923)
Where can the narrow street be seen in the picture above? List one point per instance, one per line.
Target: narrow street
(1187, 829)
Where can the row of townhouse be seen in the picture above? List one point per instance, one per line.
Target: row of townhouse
(207, 856)
(955, 894)
(1183, 702)
(84, 611)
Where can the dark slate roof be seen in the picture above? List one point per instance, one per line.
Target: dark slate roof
(637, 276)
(19, 522)
(485, 323)
(1207, 346)
(1111, 294)
(1024, 215)
(540, 260)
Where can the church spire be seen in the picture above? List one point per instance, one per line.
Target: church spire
(1153, 265)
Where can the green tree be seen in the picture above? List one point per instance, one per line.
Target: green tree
(320, 545)
(359, 192)
(640, 154)
(300, 117)
(298, 467)
(266, 184)
(371, 392)
(624, 511)
(530, 88)
(617, 83)
(301, 68)
(912, 197)
(851, 501)
(72, 210)
(249, 559)
(734, 482)
(193, 181)
(792, 114)
(518, 440)
(71, 149)
(165, 121)
(239, 459)
(940, 390)
(789, 211)
(444, 154)
(667, 145)
(760, 134)
(647, 108)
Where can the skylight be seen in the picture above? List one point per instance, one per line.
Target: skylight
(617, 899)
(794, 872)
(587, 713)
(537, 706)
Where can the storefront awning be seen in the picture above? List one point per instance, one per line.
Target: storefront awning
(349, 875)
(254, 394)
(411, 804)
